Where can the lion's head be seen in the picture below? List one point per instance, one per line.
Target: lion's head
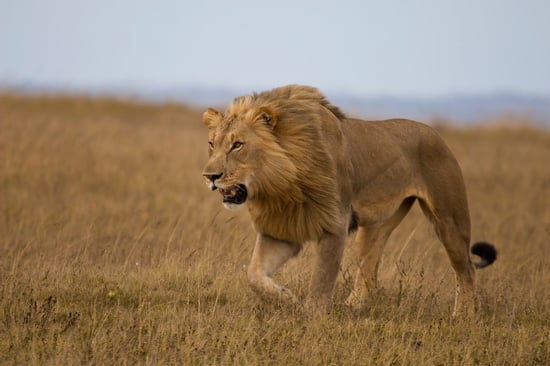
(268, 150)
(246, 161)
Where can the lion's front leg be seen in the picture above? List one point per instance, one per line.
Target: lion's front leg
(269, 255)
(329, 255)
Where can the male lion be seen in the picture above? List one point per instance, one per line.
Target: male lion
(309, 173)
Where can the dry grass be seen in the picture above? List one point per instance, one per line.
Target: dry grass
(114, 252)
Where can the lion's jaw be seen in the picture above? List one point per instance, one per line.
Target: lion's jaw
(230, 180)
(234, 195)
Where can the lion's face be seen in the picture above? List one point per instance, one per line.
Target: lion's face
(244, 155)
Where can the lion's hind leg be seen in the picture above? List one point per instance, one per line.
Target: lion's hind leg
(369, 245)
(269, 255)
(453, 230)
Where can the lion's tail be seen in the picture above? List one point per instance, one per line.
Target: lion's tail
(486, 251)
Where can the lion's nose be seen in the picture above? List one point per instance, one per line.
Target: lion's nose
(213, 177)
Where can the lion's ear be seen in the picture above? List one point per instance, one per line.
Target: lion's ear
(211, 117)
(266, 116)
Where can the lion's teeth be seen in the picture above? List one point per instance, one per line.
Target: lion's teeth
(225, 191)
(232, 191)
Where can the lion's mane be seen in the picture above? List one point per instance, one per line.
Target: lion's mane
(298, 185)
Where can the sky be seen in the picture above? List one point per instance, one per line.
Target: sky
(400, 48)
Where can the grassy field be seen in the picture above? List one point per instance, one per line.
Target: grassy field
(113, 251)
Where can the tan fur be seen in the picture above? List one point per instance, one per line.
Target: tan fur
(306, 167)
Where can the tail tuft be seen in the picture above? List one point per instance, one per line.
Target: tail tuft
(486, 251)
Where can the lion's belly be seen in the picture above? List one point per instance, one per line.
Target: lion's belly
(377, 200)
(377, 212)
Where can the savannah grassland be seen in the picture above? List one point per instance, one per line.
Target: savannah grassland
(113, 251)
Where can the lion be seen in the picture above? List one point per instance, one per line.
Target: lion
(308, 173)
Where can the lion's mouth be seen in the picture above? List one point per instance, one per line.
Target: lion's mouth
(236, 194)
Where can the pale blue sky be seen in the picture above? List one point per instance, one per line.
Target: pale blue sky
(404, 48)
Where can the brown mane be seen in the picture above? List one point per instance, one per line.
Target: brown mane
(308, 210)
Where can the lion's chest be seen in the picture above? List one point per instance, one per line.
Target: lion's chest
(297, 223)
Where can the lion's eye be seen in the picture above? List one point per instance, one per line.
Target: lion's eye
(210, 145)
(236, 145)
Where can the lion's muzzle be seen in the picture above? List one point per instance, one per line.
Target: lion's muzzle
(211, 180)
